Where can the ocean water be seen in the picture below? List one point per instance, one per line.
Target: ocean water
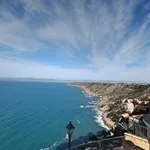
(33, 115)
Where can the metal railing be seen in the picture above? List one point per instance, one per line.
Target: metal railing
(103, 144)
(137, 129)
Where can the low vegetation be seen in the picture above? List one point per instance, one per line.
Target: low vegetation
(113, 94)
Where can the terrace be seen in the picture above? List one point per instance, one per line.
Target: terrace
(138, 130)
(137, 136)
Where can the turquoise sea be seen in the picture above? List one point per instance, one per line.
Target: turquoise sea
(33, 115)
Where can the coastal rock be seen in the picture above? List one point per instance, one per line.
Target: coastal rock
(117, 98)
(129, 107)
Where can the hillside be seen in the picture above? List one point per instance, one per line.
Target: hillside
(115, 95)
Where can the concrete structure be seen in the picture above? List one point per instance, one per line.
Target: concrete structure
(138, 141)
(140, 125)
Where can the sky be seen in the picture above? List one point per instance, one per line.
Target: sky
(75, 39)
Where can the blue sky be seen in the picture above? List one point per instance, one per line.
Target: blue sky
(75, 39)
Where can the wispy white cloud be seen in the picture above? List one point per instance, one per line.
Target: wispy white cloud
(15, 68)
(12, 67)
(109, 36)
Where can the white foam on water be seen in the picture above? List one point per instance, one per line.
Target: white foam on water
(66, 137)
(90, 106)
(98, 118)
(78, 121)
(55, 144)
(83, 92)
(87, 106)
(45, 148)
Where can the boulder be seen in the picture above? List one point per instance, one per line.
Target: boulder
(129, 107)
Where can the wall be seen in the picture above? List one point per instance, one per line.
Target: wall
(138, 141)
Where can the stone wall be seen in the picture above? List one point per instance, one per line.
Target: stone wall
(138, 141)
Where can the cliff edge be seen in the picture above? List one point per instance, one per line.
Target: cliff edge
(117, 98)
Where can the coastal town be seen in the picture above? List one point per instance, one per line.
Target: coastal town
(125, 111)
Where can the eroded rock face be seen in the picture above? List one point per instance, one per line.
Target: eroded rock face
(137, 101)
(118, 97)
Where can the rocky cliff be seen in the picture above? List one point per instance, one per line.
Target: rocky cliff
(117, 97)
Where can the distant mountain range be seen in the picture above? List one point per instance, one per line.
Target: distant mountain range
(28, 79)
(65, 80)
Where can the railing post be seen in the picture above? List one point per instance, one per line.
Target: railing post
(148, 134)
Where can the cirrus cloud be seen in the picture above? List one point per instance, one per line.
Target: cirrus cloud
(110, 37)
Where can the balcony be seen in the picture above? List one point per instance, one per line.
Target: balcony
(138, 130)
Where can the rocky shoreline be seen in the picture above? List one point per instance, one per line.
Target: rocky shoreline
(114, 96)
(107, 122)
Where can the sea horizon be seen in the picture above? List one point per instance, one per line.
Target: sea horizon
(73, 80)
